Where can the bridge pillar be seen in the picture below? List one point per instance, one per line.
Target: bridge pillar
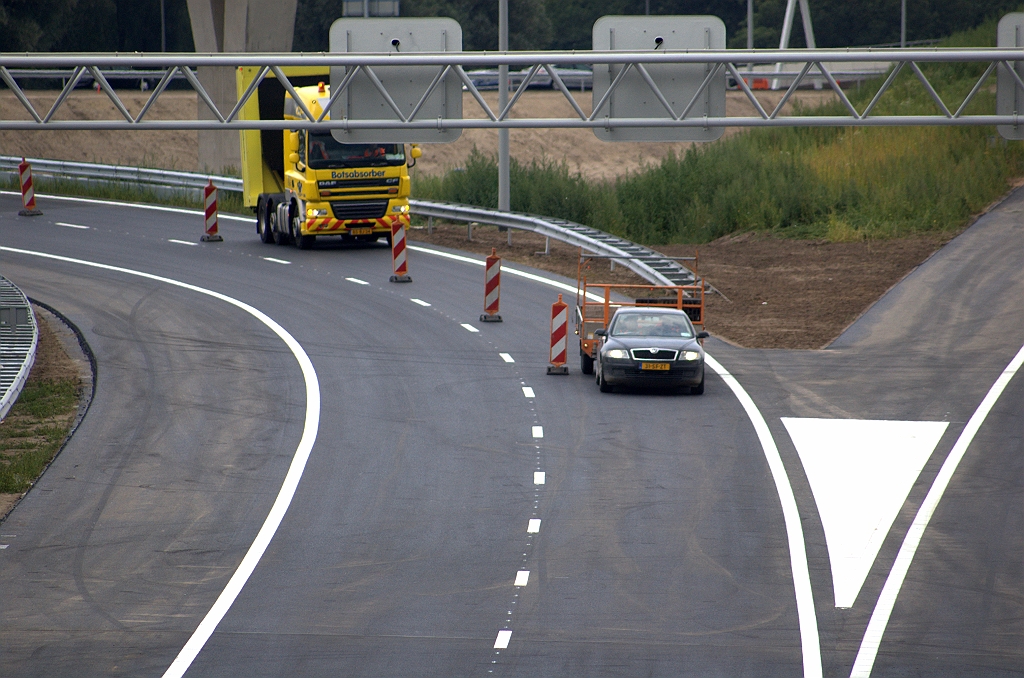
(233, 26)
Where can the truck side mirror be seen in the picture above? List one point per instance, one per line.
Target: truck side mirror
(415, 152)
(293, 158)
(293, 141)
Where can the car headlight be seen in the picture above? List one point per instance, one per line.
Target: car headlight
(689, 356)
(616, 354)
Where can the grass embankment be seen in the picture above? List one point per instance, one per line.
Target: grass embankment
(840, 184)
(39, 421)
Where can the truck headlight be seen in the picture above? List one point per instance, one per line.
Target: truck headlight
(616, 354)
(310, 212)
(400, 208)
(689, 356)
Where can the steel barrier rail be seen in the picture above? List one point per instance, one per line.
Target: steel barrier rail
(645, 262)
(19, 337)
(86, 171)
(817, 64)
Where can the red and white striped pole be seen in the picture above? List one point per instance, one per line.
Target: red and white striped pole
(28, 194)
(399, 259)
(210, 195)
(559, 337)
(492, 288)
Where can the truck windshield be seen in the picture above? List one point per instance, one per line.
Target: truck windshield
(325, 153)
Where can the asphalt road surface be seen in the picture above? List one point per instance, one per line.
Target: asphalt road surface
(463, 515)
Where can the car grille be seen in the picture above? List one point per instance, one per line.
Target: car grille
(370, 209)
(654, 354)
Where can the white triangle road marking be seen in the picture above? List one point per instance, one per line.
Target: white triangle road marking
(860, 472)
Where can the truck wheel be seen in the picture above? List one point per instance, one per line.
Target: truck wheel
(305, 242)
(263, 228)
(586, 363)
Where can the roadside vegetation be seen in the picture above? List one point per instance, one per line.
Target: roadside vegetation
(39, 422)
(839, 184)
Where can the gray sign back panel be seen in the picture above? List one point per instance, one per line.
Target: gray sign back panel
(1009, 97)
(405, 84)
(634, 98)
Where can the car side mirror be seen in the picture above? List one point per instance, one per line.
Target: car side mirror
(600, 333)
(703, 335)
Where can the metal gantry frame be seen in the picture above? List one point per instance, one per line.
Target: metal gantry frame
(737, 64)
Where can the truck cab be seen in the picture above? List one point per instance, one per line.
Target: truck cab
(320, 186)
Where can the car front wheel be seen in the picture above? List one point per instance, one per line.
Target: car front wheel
(699, 388)
(603, 385)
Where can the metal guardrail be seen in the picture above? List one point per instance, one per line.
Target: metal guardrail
(19, 337)
(645, 262)
(91, 172)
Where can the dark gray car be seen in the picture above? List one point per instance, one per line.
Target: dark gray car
(645, 346)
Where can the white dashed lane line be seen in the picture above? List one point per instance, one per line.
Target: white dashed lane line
(538, 431)
(534, 526)
(61, 223)
(276, 261)
(522, 577)
(506, 357)
(183, 242)
(539, 477)
(528, 392)
(470, 327)
(501, 642)
(357, 281)
(420, 302)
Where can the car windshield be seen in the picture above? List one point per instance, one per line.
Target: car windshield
(326, 153)
(651, 325)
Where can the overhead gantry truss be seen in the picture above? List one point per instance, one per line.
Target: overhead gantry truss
(653, 68)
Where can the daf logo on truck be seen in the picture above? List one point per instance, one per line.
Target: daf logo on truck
(318, 186)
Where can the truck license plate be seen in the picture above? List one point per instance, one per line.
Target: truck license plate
(654, 366)
(362, 231)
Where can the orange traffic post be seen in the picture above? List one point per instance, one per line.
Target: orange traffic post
(399, 259)
(559, 332)
(28, 194)
(212, 232)
(492, 288)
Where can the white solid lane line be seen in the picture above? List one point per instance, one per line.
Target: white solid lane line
(539, 477)
(311, 424)
(183, 242)
(470, 327)
(501, 642)
(420, 302)
(534, 526)
(538, 431)
(276, 261)
(79, 226)
(506, 357)
(357, 281)
(522, 578)
(154, 208)
(894, 582)
(528, 392)
(806, 616)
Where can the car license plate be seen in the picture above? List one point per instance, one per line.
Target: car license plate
(654, 366)
(362, 231)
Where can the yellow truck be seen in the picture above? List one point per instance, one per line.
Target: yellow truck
(305, 184)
